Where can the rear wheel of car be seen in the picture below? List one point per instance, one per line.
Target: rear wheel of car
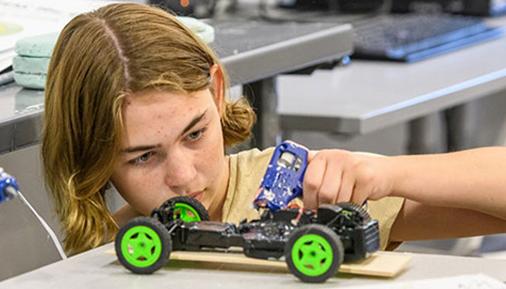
(314, 253)
(143, 245)
(182, 208)
(189, 209)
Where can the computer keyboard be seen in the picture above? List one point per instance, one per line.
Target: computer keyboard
(413, 37)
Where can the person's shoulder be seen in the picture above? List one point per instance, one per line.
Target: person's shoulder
(253, 155)
(246, 171)
(248, 167)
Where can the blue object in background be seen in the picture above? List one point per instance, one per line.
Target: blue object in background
(283, 179)
(8, 186)
(9, 189)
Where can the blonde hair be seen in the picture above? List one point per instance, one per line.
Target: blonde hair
(99, 58)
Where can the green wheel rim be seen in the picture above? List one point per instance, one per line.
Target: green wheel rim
(312, 255)
(141, 246)
(186, 213)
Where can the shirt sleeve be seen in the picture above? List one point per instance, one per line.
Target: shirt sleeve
(385, 211)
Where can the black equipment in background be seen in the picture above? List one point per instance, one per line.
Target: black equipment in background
(193, 8)
(416, 36)
(346, 6)
(467, 7)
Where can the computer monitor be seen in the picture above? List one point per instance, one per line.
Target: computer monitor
(468, 7)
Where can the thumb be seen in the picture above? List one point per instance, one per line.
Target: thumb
(311, 154)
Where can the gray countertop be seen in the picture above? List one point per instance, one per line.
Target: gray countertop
(249, 50)
(99, 268)
(369, 95)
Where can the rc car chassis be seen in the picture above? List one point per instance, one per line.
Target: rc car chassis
(313, 243)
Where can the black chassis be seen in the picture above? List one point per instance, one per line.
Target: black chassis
(266, 238)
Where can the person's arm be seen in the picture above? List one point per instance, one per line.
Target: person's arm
(447, 195)
(473, 179)
(418, 221)
(450, 195)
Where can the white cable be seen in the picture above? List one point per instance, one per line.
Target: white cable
(45, 225)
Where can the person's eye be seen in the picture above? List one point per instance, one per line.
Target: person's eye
(142, 159)
(196, 135)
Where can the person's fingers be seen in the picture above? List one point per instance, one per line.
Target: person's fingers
(346, 189)
(310, 155)
(329, 188)
(361, 192)
(364, 182)
(312, 181)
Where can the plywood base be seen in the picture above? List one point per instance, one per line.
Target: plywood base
(380, 264)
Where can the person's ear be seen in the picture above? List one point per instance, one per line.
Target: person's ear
(218, 86)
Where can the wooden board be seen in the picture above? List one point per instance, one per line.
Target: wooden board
(381, 264)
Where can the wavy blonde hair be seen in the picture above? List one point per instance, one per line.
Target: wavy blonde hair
(99, 58)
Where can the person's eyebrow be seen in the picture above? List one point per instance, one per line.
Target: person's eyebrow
(193, 122)
(141, 148)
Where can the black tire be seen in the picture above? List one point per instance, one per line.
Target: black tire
(327, 241)
(358, 210)
(168, 210)
(129, 239)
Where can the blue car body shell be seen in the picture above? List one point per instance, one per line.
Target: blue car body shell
(283, 179)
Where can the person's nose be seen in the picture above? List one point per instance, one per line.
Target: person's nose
(180, 171)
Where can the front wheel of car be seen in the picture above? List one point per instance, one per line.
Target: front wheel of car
(143, 245)
(314, 253)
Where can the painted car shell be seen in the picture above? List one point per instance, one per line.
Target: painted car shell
(283, 178)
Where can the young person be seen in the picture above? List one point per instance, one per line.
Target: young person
(135, 99)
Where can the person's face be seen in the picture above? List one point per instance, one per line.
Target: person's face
(173, 145)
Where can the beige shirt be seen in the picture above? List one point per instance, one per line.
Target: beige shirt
(246, 171)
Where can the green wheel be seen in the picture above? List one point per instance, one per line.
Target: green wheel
(314, 253)
(143, 245)
(182, 208)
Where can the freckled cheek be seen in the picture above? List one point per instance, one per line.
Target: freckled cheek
(142, 191)
(210, 163)
(219, 150)
(156, 191)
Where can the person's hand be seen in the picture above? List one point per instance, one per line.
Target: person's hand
(341, 176)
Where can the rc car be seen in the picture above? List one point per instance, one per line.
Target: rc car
(313, 243)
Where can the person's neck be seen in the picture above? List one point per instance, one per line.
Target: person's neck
(216, 207)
